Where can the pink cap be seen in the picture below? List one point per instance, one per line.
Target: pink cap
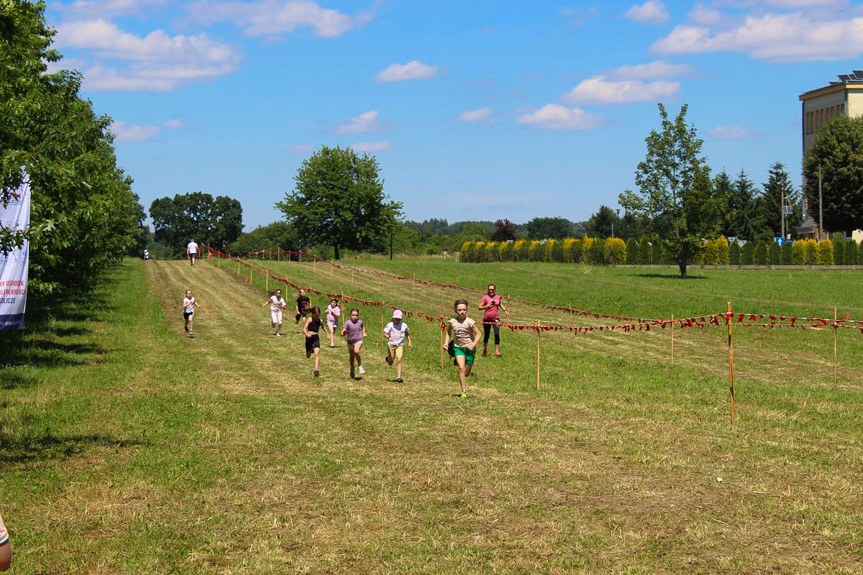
(397, 314)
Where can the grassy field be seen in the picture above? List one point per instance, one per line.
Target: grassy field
(129, 448)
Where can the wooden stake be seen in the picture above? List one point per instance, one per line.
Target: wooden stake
(672, 341)
(268, 283)
(278, 254)
(835, 345)
(238, 268)
(731, 362)
(352, 277)
(537, 354)
(441, 349)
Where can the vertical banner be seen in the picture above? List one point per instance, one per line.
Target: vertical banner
(14, 265)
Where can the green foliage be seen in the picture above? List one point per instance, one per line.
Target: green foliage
(274, 235)
(709, 255)
(850, 252)
(734, 253)
(747, 254)
(213, 221)
(338, 199)
(632, 251)
(837, 151)
(84, 215)
(838, 251)
(504, 231)
(775, 250)
(779, 186)
(675, 190)
(723, 256)
(602, 223)
(786, 255)
(549, 228)
(824, 255)
(761, 253)
(614, 251)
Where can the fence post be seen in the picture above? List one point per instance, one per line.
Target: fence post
(672, 341)
(537, 354)
(729, 319)
(835, 345)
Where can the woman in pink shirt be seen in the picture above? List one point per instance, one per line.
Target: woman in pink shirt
(491, 304)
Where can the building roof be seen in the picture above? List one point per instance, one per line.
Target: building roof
(852, 81)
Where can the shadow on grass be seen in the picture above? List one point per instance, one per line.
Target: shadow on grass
(670, 277)
(50, 321)
(12, 380)
(25, 449)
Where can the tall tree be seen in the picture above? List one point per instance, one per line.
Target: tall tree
(603, 222)
(216, 222)
(549, 228)
(779, 186)
(744, 210)
(504, 231)
(274, 235)
(837, 151)
(673, 182)
(338, 200)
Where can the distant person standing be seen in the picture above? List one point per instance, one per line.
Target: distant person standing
(465, 335)
(334, 312)
(277, 304)
(303, 304)
(356, 332)
(192, 252)
(146, 255)
(491, 304)
(396, 332)
(189, 305)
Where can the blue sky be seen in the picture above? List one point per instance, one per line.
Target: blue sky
(474, 109)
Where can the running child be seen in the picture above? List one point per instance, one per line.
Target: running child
(311, 329)
(333, 314)
(395, 333)
(189, 305)
(459, 329)
(356, 332)
(303, 304)
(491, 304)
(277, 304)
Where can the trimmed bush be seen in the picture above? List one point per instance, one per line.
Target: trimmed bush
(850, 252)
(506, 251)
(761, 253)
(615, 251)
(786, 255)
(747, 254)
(708, 254)
(644, 251)
(775, 248)
(734, 254)
(557, 251)
(492, 254)
(569, 250)
(799, 253)
(838, 251)
(479, 252)
(811, 252)
(466, 252)
(632, 252)
(534, 251)
(723, 256)
(548, 251)
(521, 251)
(824, 255)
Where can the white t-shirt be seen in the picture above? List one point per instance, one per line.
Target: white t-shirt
(276, 303)
(396, 332)
(192, 247)
(189, 304)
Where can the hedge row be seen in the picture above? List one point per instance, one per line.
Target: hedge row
(592, 251)
(612, 251)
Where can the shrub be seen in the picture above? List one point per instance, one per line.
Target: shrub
(479, 252)
(774, 253)
(786, 256)
(568, 245)
(615, 251)
(506, 251)
(466, 252)
(722, 251)
(596, 257)
(734, 254)
(587, 246)
(534, 251)
(521, 250)
(492, 254)
(557, 251)
(632, 252)
(747, 254)
(811, 252)
(761, 253)
(577, 251)
(838, 251)
(850, 252)
(548, 251)
(645, 251)
(824, 255)
(708, 255)
(799, 253)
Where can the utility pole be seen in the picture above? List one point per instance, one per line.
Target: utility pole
(782, 209)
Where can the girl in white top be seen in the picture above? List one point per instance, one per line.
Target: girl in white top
(189, 305)
(334, 312)
(277, 304)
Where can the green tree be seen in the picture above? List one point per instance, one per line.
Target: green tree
(837, 151)
(215, 222)
(674, 189)
(743, 209)
(275, 235)
(779, 186)
(338, 200)
(602, 223)
(549, 228)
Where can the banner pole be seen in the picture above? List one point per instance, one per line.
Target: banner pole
(268, 283)
(730, 318)
(537, 354)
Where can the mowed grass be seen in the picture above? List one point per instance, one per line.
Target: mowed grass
(129, 448)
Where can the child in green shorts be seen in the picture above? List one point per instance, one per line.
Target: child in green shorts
(465, 335)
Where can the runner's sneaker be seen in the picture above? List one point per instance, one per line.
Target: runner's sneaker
(361, 370)
(317, 373)
(497, 354)
(399, 380)
(352, 373)
(463, 395)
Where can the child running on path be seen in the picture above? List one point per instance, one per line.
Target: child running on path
(311, 329)
(459, 329)
(277, 304)
(333, 314)
(303, 303)
(189, 305)
(356, 332)
(395, 333)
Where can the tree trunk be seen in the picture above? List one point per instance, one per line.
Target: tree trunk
(682, 267)
(336, 249)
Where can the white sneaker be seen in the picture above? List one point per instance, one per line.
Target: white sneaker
(361, 370)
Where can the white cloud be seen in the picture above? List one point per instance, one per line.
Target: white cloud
(792, 37)
(363, 123)
(601, 90)
(477, 115)
(733, 133)
(275, 17)
(372, 146)
(651, 12)
(125, 132)
(557, 117)
(302, 149)
(104, 8)
(413, 70)
(158, 61)
(579, 15)
(651, 71)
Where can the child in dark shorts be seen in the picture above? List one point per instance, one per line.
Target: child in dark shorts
(311, 329)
